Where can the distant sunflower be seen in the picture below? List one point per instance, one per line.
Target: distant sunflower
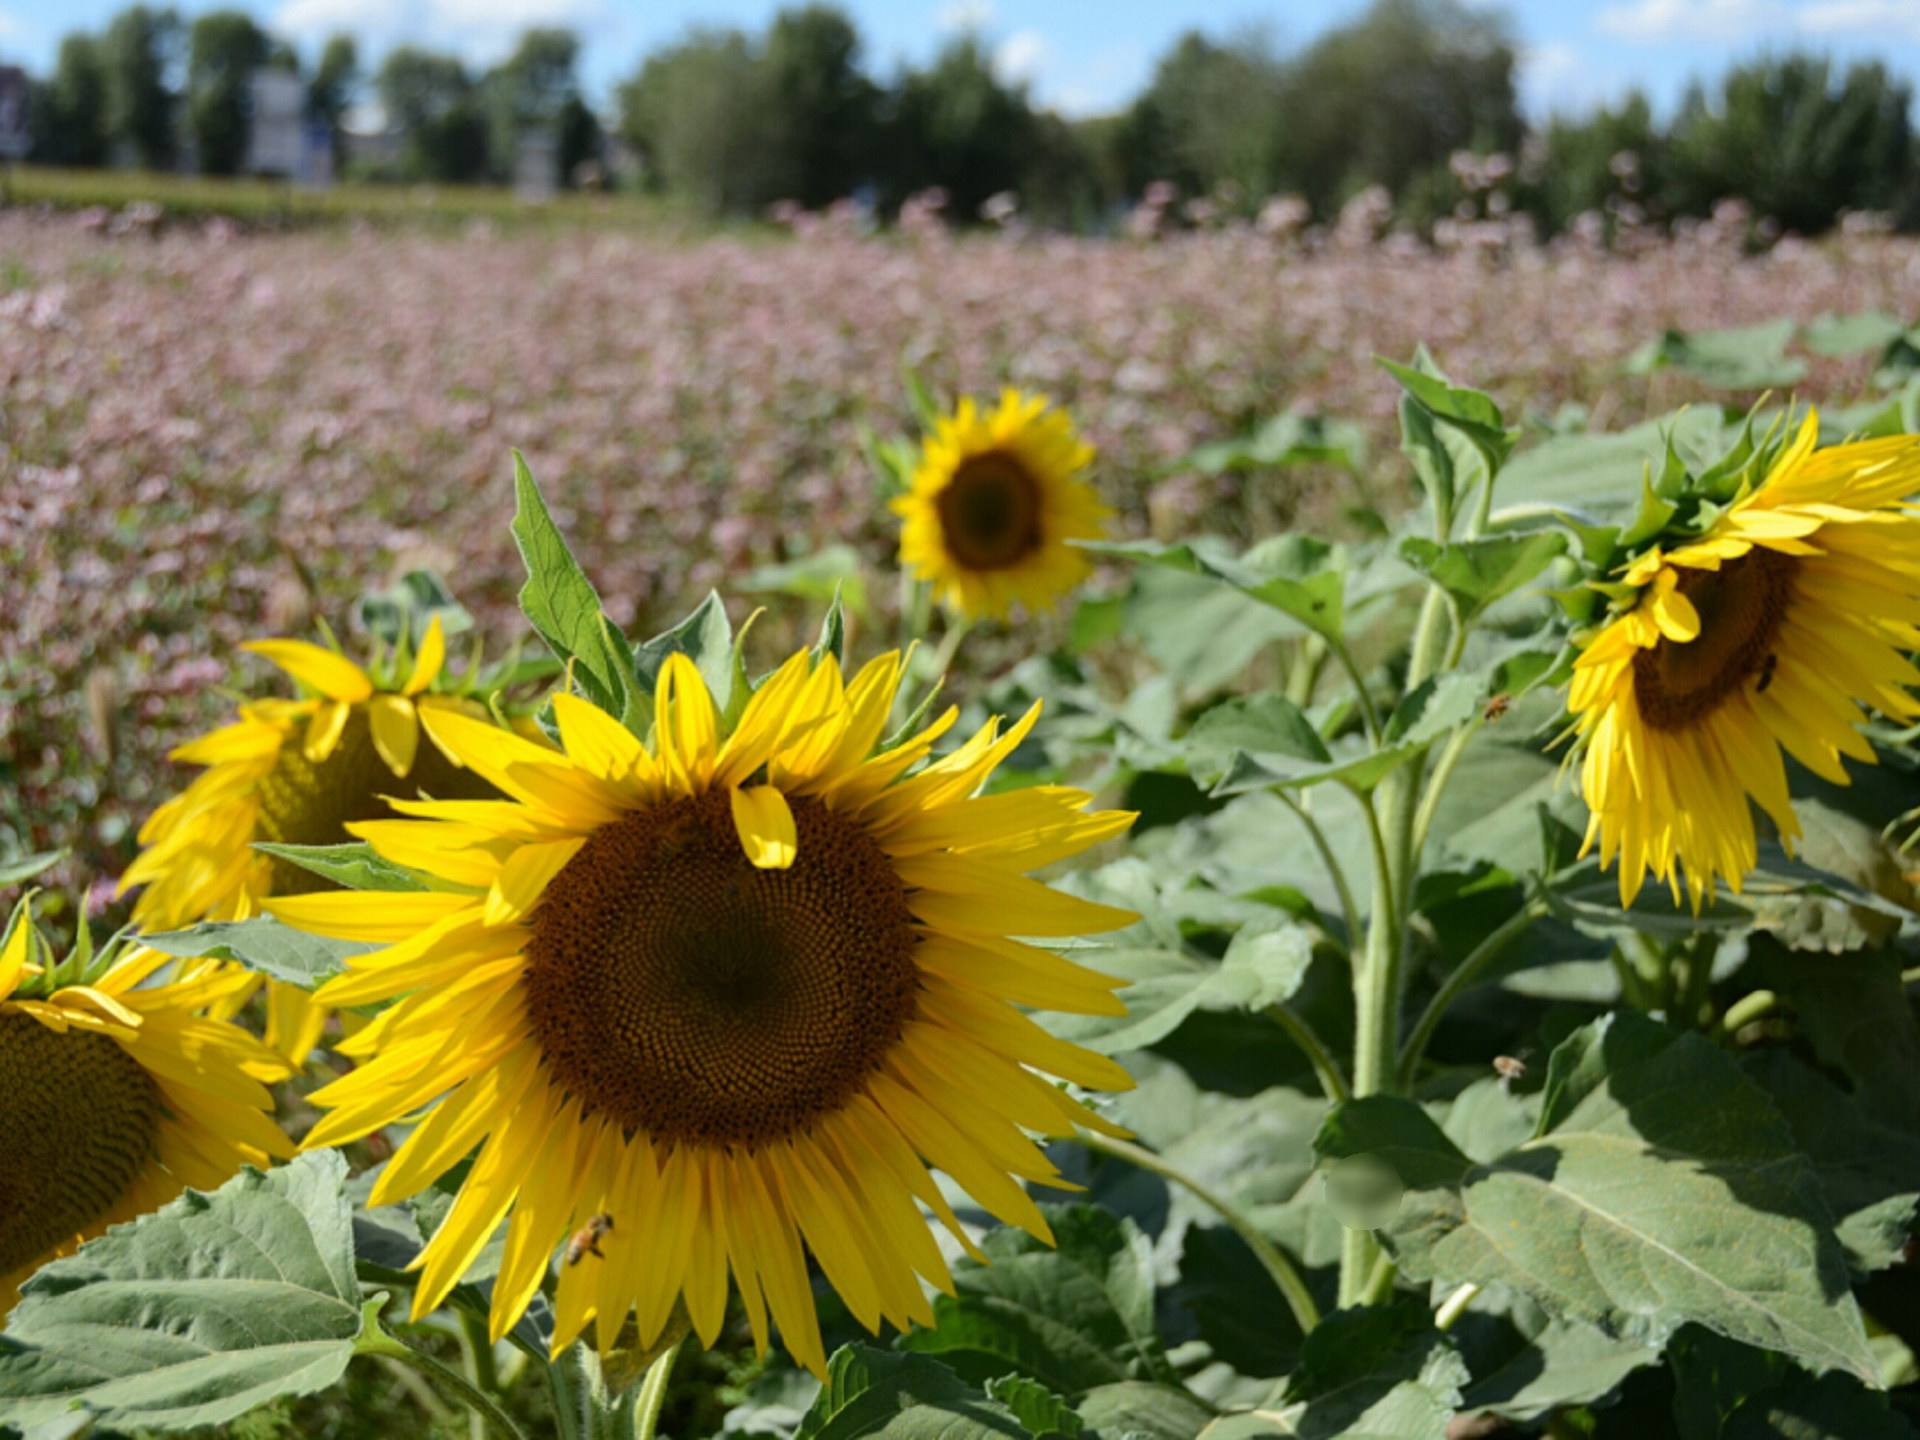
(1775, 628)
(993, 503)
(732, 993)
(114, 1095)
(294, 772)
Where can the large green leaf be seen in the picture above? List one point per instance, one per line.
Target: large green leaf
(1748, 357)
(1379, 1373)
(1724, 1391)
(561, 603)
(1662, 1188)
(1046, 1416)
(1526, 1362)
(1476, 573)
(1141, 1410)
(277, 951)
(196, 1313)
(1071, 1316)
(874, 1393)
(356, 866)
(705, 637)
(1286, 439)
(1854, 1010)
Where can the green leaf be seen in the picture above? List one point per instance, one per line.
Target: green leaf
(1260, 968)
(1854, 334)
(1140, 1410)
(1724, 1391)
(704, 637)
(1071, 1317)
(402, 612)
(13, 872)
(1854, 1011)
(1284, 440)
(277, 951)
(872, 1393)
(1662, 1189)
(356, 866)
(833, 633)
(1476, 573)
(1046, 1415)
(1526, 1363)
(1377, 1373)
(1748, 357)
(776, 1402)
(834, 572)
(561, 603)
(193, 1315)
(1264, 724)
(1434, 708)
(1297, 575)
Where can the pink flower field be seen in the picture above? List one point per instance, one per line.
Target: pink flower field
(197, 426)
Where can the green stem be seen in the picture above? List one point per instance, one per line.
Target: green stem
(1303, 671)
(1437, 785)
(1747, 1009)
(477, 1347)
(1286, 1278)
(375, 1340)
(1369, 716)
(1326, 1067)
(1349, 912)
(950, 645)
(1380, 1280)
(1491, 948)
(653, 1394)
(1454, 1306)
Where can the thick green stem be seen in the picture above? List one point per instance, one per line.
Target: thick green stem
(1333, 1081)
(1491, 948)
(950, 645)
(1454, 1306)
(1747, 1009)
(1349, 912)
(1286, 1278)
(376, 1341)
(477, 1347)
(653, 1394)
(1369, 716)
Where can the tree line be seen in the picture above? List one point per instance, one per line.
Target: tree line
(733, 122)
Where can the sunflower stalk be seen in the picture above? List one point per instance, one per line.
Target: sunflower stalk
(376, 1340)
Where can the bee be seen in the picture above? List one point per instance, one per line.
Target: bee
(1509, 1069)
(586, 1240)
(1496, 707)
(1766, 673)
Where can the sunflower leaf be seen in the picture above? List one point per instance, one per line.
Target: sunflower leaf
(12, 872)
(1476, 573)
(873, 1392)
(195, 1314)
(277, 951)
(356, 866)
(704, 637)
(561, 603)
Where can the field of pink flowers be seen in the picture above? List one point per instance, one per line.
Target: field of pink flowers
(196, 426)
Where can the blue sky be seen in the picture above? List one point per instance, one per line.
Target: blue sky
(1084, 56)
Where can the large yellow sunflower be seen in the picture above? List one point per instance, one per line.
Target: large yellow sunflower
(293, 772)
(115, 1093)
(994, 501)
(731, 992)
(1774, 629)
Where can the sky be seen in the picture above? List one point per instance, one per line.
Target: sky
(1082, 56)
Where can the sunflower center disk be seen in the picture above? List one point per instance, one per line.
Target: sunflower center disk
(681, 992)
(1741, 606)
(77, 1118)
(990, 512)
(302, 803)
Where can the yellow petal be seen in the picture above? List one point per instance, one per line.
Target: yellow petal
(686, 729)
(329, 723)
(426, 665)
(334, 676)
(13, 958)
(367, 914)
(396, 731)
(523, 879)
(766, 827)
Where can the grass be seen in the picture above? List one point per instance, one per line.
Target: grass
(279, 202)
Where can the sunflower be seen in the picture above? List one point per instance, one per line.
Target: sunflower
(293, 772)
(1770, 631)
(115, 1094)
(732, 995)
(993, 503)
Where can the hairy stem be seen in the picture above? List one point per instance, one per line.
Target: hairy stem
(1349, 912)
(376, 1341)
(1491, 948)
(1326, 1068)
(653, 1394)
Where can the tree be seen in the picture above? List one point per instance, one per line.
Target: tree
(1209, 118)
(1392, 95)
(431, 100)
(330, 91)
(529, 90)
(821, 106)
(71, 129)
(698, 112)
(1616, 151)
(955, 125)
(1784, 136)
(139, 48)
(224, 48)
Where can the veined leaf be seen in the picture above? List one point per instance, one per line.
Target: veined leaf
(262, 943)
(356, 866)
(561, 603)
(193, 1315)
(887, 1396)
(704, 637)
(12, 872)
(1476, 573)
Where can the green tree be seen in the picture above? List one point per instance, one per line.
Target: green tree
(1210, 117)
(1797, 142)
(330, 91)
(432, 101)
(529, 90)
(1616, 152)
(138, 49)
(698, 112)
(957, 126)
(224, 48)
(71, 126)
(822, 106)
(1389, 97)
(580, 137)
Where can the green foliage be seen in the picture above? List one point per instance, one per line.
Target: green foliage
(136, 51)
(193, 1315)
(224, 48)
(264, 944)
(434, 103)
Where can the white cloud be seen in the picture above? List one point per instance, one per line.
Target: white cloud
(965, 16)
(1653, 21)
(1555, 79)
(481, 31)
(319, 18)
(1872, 19)
(1018, 58)
(10, 25)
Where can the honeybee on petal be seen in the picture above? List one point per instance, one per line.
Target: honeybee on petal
(586, 1240)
